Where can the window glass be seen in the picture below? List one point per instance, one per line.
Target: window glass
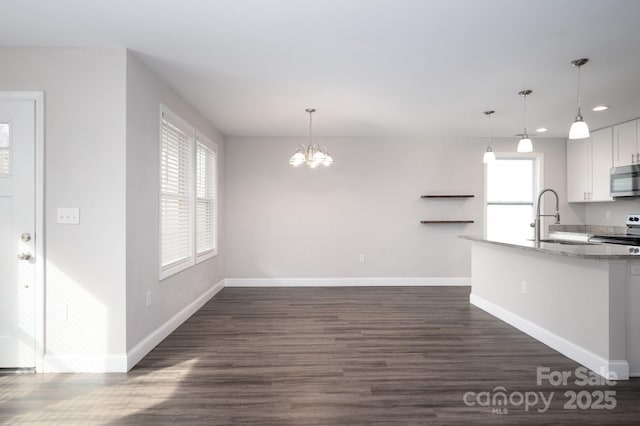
(5, 149)
(509, 222)
(511, 187)
(510, 180)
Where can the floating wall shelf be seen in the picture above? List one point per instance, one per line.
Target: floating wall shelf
(441, 196)
(444, 221)
(447, 196)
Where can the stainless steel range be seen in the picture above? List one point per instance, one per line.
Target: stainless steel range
(630, 238)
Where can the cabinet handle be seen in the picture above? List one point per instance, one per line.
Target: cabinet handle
(633, 159)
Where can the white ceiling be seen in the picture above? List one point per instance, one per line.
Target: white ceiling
(371, 67)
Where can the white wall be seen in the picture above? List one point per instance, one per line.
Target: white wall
(145, 93)
(102, 155)
(85, 168)
(596, 213)
(285, 222)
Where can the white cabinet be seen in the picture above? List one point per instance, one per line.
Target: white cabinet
(625, 144)
(601, 163)
(588, 167)
(578, 173)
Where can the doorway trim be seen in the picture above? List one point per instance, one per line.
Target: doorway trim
(40, 259)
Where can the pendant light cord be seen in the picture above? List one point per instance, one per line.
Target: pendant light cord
(490, 131)
(579, 100)
(310, 126)
(525, 115)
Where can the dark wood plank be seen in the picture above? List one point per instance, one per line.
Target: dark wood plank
(326, 356)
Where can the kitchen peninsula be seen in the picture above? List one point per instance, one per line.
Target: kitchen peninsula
(576, 298)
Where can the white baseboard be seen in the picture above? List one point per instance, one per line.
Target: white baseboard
(152, 340)
(345, 282)
(121, 363)
(618, 369)
(85, 363)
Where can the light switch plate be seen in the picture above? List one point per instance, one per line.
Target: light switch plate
(68, 215)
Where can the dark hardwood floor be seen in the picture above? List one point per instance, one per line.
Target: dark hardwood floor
(328, 356)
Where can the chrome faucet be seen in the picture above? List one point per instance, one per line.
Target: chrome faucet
(536, 221)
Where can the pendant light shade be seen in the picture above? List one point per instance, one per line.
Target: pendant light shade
(525, 144)
(579, 129)
(489, 156)
(312, 155)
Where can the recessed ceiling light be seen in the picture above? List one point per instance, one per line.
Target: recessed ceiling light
(541, 130)
(600, 108)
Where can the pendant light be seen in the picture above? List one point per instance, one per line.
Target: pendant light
(579, 129)
(525, 144)
(489, 156)
(312, 154)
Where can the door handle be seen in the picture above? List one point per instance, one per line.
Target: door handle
(24, 256)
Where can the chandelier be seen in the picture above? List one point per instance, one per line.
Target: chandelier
(312, 154)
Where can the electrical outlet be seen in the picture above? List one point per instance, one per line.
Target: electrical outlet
(148, 299)
(607, 215)
(361, 258)
(523, 287)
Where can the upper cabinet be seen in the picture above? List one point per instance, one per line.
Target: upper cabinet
(601, 161)
(625, 144)
(588, 167)
(578, 170)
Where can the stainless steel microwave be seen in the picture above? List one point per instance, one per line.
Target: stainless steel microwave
(625, 181)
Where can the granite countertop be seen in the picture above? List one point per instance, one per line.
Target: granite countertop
(589, 229)
(584, 251)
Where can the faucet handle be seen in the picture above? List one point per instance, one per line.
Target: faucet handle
(557, 218)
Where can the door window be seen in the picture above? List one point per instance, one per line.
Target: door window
(5, 149)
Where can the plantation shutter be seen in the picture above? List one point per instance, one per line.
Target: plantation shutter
(176, 205)
(206, 198)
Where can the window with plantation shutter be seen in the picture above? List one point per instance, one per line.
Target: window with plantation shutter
(176, 194)
(206, 198)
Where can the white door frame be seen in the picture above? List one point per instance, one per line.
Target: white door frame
(38, 98)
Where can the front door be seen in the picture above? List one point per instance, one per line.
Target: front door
(17, 234)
